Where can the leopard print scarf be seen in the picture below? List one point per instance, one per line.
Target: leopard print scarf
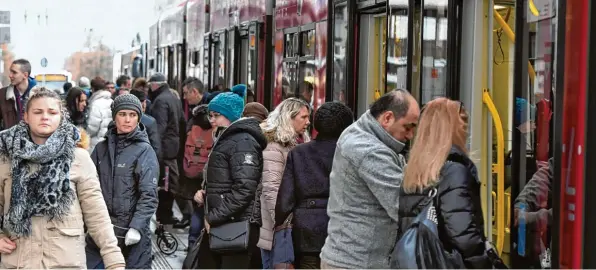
(40, 175)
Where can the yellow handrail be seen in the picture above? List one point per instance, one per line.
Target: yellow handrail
(533, 8)
(500, 169)
(511, 36)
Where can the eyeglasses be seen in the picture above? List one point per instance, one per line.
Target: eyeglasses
(212, 116)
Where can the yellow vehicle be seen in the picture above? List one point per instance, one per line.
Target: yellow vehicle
(52, 81)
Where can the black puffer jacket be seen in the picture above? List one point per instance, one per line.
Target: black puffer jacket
(234, 173)
(461, 223)
(128, 171)
(167, 111)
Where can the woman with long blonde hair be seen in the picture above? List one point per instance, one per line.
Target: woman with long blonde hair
(439, 162)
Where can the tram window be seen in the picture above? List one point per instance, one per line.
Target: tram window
(245, 64)
(307, 81)
(230, 68)
(290, 74)
(307, 44)
(195, 58)
(340, 36)
(397, 49)
(291, 46)
(252, 69)
(434, 50)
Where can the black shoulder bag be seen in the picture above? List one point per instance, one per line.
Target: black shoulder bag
(234, 236)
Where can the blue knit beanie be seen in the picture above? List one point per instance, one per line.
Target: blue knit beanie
(240, 89)
(228, 104)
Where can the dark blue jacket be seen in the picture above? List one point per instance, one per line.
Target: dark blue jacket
(128, 171)
(304, 191)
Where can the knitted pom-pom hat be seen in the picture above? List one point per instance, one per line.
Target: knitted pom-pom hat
(228, 104)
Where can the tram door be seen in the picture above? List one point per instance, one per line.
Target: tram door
(231, 73)
(218, 55)
(527, 238)
(247, 70)
(372, 59)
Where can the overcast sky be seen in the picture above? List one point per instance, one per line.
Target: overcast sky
(117, 21)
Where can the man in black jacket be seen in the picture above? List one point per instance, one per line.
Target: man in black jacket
(233, 174)
(167, 111)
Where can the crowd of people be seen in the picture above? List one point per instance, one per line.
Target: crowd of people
(258, 189)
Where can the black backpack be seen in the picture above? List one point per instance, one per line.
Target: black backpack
(420, 247)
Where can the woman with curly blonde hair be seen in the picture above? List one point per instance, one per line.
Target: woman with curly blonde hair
(283, 128)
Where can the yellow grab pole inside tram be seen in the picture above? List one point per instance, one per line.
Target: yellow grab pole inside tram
(533, 8)
(511, 36)
(499, 168)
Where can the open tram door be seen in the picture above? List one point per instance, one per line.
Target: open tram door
(371, 55)
(232, 72)
(218, 60)
(413, 45)
(553, 60)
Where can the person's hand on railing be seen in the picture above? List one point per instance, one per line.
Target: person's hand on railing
(540, 219)
(200, 197)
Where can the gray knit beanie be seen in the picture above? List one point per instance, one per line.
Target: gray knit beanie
(127, 102)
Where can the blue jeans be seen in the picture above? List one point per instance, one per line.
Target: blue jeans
(267, 259)
(196, 224)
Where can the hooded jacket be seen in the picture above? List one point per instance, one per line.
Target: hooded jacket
(364, 188)
(128, 171)
(8, 105)
(234, 172)
(100, 117)
(461, 223)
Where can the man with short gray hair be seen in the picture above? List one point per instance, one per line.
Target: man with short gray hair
(364, 184)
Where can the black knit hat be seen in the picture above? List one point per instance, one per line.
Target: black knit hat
(331, 119)
(127, 102)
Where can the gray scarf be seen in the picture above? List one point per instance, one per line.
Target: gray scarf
(44, 191)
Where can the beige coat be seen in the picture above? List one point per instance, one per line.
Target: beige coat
(274, 162)
(61, 244)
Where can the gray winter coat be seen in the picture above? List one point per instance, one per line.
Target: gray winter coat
(363, 198)
(128, 171)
